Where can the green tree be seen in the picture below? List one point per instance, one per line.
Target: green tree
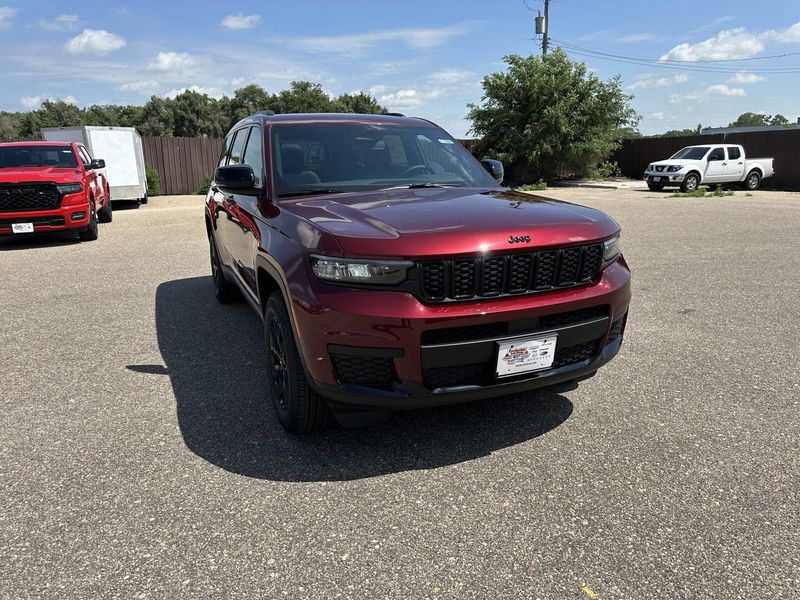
(197, 115)
(542, 112)
(359, 103)
(303, 97)
(678, 133)
(750, 119)
(157, 117)
(779, 120)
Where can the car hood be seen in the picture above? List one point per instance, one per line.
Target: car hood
(450, 221)
(49, 174)
(674, 161)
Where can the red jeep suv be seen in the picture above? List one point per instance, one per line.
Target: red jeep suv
(52, 186)
(392, 270)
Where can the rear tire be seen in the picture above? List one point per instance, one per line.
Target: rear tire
(105, 214)
(753, 181)
(91, 231)
(690, 183)
(299, 408)
(224, 290)
(144, 200)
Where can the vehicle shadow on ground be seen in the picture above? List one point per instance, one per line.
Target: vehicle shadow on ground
(26, 241)
(214, 355)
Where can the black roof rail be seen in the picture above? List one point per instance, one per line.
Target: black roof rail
(268, 113)
(395, 115)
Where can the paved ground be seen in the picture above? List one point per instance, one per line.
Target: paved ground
(139, 458)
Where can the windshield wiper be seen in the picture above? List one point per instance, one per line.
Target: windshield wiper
(427, 184)
(310, 192)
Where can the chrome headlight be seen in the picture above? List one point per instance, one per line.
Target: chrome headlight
(69, 188)
(611, 250)
(674, 168)
(346, 270)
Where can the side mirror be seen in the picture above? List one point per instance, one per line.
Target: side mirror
(495, 169)
(97, 163)
(236, 177)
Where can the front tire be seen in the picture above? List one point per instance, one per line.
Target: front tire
(105, 214)
(753, 181)
(299, 408)
(224, 290)
(690, 183)
(91, 231)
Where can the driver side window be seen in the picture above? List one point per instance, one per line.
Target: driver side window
(717, 154)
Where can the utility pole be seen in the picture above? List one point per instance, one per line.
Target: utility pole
(546, 27)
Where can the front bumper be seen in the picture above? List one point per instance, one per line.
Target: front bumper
(388, 350)
(60, 219)
(663, 178)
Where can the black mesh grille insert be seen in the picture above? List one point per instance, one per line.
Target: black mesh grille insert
(486, 276)
(29, 196)
(370, 371)
(575, 354)
(616, 330)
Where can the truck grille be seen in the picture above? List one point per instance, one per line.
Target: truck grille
(499, 275)
(29, 196)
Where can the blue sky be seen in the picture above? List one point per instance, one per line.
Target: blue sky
(420, 58)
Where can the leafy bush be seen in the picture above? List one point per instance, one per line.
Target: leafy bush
(153, 181)
(702, 193)
(533, 187)
(606, 170)
(205, 183)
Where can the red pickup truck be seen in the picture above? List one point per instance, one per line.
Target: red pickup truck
(52, 186)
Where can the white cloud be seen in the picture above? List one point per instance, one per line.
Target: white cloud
(744, 77)
(172, 61)
(94, 41)
(241, 21)
(449, 76)
(146, 87)
(658, 116)
(790, 35)
(375, 90)
(732, 43)
(646, 81)
(409, 98)
(60, 23)
(704, 95)
(637, 37)
(34, 102)
(358, 43)
(725, 90)
(6, 14)
(208, 91)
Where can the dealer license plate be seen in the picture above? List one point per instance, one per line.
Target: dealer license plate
(22, 227)
(524, 356)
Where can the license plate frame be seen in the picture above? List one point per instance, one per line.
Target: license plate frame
(22, 228)
(526, 355)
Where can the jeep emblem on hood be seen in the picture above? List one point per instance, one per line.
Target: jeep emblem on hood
(516, 239)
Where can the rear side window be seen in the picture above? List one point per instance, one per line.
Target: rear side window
(733, 153)
(237, 151)
(253, 154)
(225, 149)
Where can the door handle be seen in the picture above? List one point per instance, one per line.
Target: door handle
(724, 164)
(740, 163)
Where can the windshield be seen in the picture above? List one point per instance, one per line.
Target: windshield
(60, 157)
(347, 157)
(691, 153)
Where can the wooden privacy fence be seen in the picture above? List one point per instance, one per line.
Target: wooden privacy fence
(784, 146)
(181, 162)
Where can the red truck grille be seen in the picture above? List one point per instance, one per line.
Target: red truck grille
(29, 196)
(500, 275)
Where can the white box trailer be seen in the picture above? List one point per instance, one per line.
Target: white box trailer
(120, 147)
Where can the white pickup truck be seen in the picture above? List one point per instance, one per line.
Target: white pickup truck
(709, 164)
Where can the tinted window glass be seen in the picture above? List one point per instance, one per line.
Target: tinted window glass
(695, 153)
(365, 156)
(237, 151)
(733, 153)
(717, 154)
(253, 153)
(85, 158)
(37, 156)
(225, 149)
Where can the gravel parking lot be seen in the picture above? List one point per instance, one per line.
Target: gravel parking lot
(140, 458)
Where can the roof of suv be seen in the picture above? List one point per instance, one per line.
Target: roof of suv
(334, 118)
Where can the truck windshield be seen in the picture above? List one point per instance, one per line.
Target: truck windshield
(60, 157)
(333, 157)
(691, 153)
